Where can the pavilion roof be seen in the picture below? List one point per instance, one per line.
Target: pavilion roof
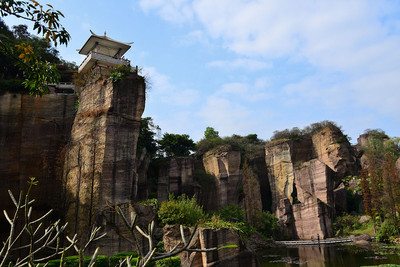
(107, 46)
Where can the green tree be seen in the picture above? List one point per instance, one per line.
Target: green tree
(177, 144)
(148, 132)
(38, 72)
(211, 133)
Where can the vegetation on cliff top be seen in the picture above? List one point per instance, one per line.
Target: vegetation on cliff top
(296, 133)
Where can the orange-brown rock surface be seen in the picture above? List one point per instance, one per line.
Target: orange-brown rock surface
(100, 157)
(304, 184)
(33, 133)
(225, 166)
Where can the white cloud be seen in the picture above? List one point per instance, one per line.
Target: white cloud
(341, 55)
(162, 90)
(177, 11)
(241, 63)
(226, 116)
(195, 37)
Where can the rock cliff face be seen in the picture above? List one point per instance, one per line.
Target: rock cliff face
(225, 166)
(305, 180)
(177, 173)
(100, 157)
(33, 133)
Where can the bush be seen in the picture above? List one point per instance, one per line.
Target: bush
(116, 258)
(296, 133)
(217, 222)
(346, 223)
(73, 261)
(233, 213)
(169, 262)
(267, 224)
(387, 232)
(182, 210)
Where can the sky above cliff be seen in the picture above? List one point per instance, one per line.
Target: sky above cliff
(246, 67)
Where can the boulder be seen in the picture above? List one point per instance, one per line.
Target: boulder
(364, 219)
(366, 237)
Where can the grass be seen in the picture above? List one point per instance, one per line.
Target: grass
(366, 228)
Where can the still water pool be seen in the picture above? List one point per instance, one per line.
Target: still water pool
(327, 256)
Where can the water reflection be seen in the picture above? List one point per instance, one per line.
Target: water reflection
(325, 256)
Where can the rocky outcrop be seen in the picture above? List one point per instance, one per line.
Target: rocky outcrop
(331, 148)
(225, 167)
(100, 157)
(305, 185)
(173, 176)
(251, 190)
(278, 157)
(33, 134)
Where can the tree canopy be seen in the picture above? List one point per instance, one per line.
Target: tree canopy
(210, 133)
(38, 70)
(148, 132)
(177, 144)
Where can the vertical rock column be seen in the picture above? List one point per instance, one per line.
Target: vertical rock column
(278, 158)
(225, 166)
(100, 158)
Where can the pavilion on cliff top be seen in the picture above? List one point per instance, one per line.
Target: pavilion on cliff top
(103, 51)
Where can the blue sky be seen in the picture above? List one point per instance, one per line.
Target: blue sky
(244, 66)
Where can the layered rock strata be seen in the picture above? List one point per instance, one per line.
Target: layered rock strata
(33, 134)
(306, 186)
(100, 158)
(225, 167)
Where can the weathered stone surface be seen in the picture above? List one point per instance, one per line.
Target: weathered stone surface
(312, 217)
(278, 157)
(143, 160)
(173, 175)
(252, 199)
(284, 213)
(225, 166)
(340, 197)
(100, 158)
(305, 177)
(33, 133)
(260, 170)
(366, 237)
(316, 179)
(330, 149)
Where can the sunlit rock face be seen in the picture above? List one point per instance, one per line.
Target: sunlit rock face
(100, 157)
(33, 134)
(305, 177)
(330, 148)
(225, 166)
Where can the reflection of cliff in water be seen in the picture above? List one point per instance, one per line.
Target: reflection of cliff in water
(324, 256)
